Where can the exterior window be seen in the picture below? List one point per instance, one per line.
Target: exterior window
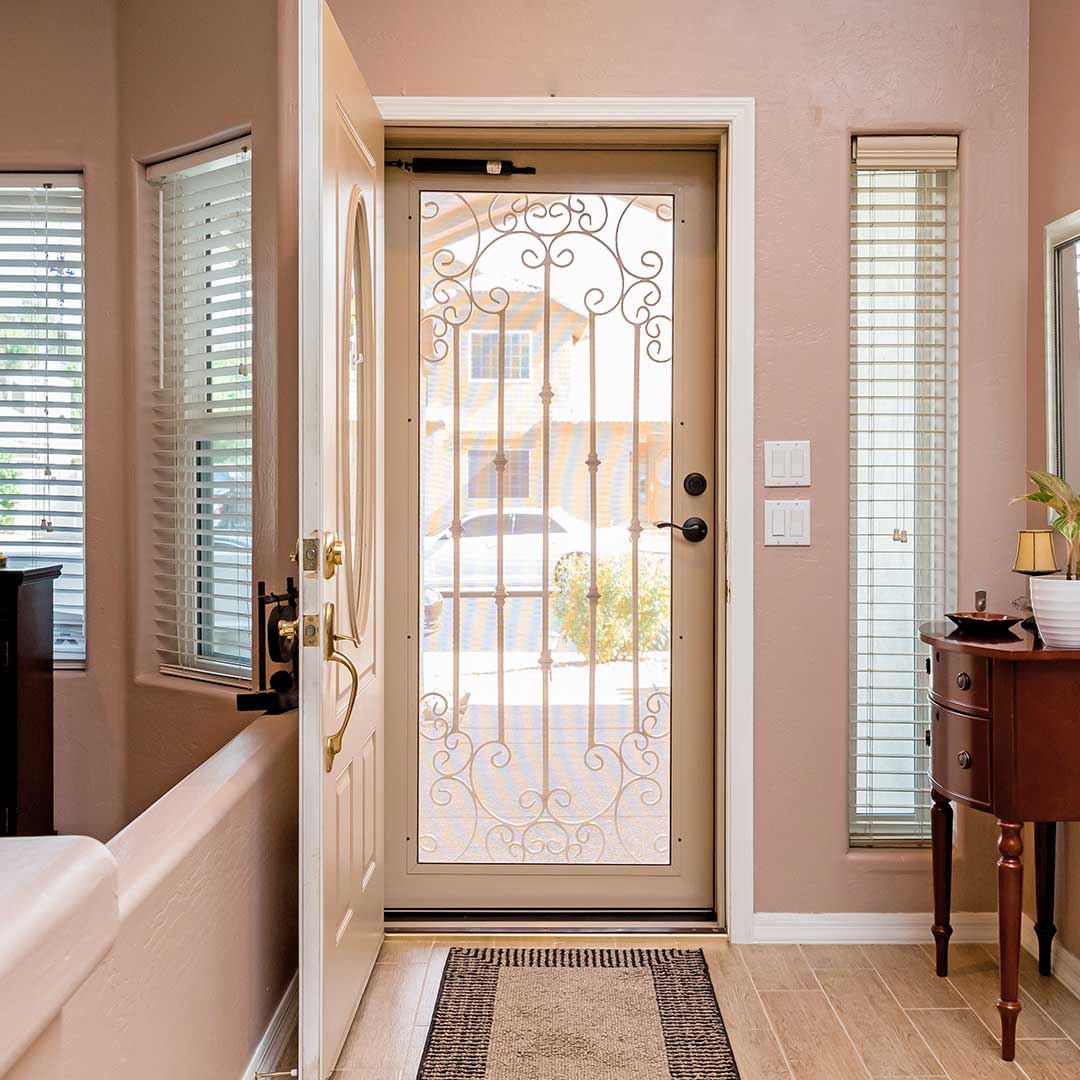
(484, 479)
(41, 391)
(484, 355)
(903, 482)
(202, 417)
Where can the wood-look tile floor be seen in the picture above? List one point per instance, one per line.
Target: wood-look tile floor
(793, 1012)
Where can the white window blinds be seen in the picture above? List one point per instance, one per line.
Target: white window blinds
(202, 415)
(903, 329)
(41, 390)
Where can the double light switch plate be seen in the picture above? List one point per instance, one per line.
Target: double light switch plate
(787, 464)
(787, 522)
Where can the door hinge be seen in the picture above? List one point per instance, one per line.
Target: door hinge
(311, 630)
(266, 1076)
(727, 590)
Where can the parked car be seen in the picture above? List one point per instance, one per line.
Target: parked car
(522, 529)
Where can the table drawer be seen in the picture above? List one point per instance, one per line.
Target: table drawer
(960, 754)
(960, 680)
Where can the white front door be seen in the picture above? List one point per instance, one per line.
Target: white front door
(341, 678)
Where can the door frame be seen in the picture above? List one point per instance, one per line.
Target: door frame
(735, 307)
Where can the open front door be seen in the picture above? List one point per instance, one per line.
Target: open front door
(341, 687)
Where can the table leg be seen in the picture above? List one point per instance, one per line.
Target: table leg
(1045, 857)
(941, 827)
(1010, 890)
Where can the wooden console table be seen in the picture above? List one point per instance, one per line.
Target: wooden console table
(1005, 739)
(26, 700)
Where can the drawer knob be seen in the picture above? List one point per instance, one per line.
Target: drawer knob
(963, 680)
(964, 758)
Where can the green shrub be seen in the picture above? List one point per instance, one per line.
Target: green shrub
(614, 611)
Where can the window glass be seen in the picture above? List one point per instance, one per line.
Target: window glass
(41, 392)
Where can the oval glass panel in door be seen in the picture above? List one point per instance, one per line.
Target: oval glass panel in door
(357, 420)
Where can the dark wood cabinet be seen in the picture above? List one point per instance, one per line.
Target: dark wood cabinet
(1004, 739)
(26, 700)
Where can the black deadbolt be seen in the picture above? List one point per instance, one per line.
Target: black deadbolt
(694, 483)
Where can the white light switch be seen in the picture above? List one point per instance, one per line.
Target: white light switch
(787, 523)
(787, 464)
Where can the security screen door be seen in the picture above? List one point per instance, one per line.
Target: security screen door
(553, 386)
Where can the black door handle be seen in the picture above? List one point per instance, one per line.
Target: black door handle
(693, 529)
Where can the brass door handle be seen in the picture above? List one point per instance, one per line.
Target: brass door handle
(331, 653)
(333, 555)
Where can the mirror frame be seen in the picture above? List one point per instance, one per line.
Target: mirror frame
(1058, 234)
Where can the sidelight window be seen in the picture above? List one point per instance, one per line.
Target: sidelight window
(903, 347)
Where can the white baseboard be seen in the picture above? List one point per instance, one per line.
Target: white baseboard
(278, 1032)
(1065, 965)
(868, 928)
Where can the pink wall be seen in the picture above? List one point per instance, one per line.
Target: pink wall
(103, 85)
(1054, 191)
(58, 110)
(819, 72)
(181, 88)
(206, 943)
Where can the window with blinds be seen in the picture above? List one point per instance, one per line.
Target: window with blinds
(41, 390)
(903, 334)
(203, 416)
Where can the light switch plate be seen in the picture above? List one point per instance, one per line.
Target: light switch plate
(787, 464)
(787, 522)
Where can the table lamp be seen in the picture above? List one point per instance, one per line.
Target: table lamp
(1034, 557)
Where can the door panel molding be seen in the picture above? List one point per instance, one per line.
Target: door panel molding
(735, 118)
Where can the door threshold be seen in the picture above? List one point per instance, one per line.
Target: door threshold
(647, 923)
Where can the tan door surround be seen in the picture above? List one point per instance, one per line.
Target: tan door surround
(410, 883)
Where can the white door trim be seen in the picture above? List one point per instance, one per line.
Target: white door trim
(737, 115)
(310, 344)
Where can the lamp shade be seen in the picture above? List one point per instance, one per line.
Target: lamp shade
(1035, 552)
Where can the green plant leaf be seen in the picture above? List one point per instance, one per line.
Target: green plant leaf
(1054, 484)
(1034, 496)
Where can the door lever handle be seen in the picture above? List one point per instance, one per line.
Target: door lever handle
(335, 656)
(693, 529)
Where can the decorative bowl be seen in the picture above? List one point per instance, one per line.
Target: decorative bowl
(983, 623)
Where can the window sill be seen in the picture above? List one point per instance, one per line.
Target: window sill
(174, 680)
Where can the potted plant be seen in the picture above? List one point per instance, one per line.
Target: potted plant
(1056, 598)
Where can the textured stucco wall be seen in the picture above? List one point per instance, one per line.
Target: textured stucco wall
(103, 86)
(58, 110)
(180, 87)
(819, 72)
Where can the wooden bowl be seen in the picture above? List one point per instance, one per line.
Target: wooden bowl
(983, 623)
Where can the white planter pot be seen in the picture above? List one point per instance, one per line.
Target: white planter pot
(1057, 610)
